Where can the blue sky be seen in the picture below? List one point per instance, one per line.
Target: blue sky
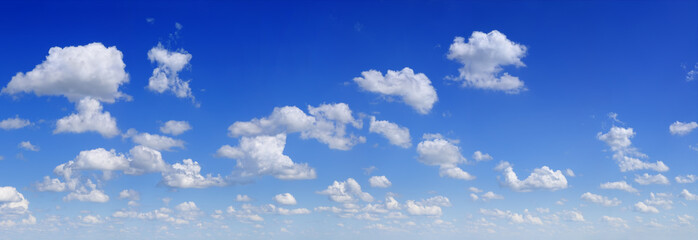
(317, 120)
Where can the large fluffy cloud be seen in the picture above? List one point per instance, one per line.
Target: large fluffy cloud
(540, 178)
(396, 135)
(438, 151)
(483, 57)
(682, 128)
(413, 89)
(89, 118)
(188, 175)
(285, 199)
(166, 74)
(263, 155)
(75, 72)
(12, 201)
(326, 123)
(625, 154)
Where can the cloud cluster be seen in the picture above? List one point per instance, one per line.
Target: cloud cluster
(325, 123)
(435, 150)
(540, 178)
(483, 57)
(166, 75)
(263, 155)
(89, 118)
(348, 191)
(413, 89)
(627, 156)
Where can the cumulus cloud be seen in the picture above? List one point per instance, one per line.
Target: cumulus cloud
(574, 216)
(420, 208)
(129, 194)
(243, 198)
(512, 217)
(614, 221)
(540, 178)
(483, 57)
(285, 199)
(647, 179)
(396, 135)
(154, 141)
(413, 89)
(619, 185)
(598, 199)
(379, 182)
(644, 208)
(12, 202)
(91, 219)
(625, 154)
(682, 128)
(89, 118)
(690, 178)
(326, 123)
(263, 155)
(75, 72)
(491, 196)
(688, 195)
(479, 156)
(437, 151)
(94, 195)
(28, 146)
(14, 123)
(188, 175)
(175, 128)
(348, 191)
(166, 75)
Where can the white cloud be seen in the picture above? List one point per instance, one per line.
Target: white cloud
(145, 160)
(129, 194)
(75, 72)
(154, 141)
(512, 217)
(285, 199)
(28, 146)
(188, 175)
(691, 75)
(263, 155)
(690, 178)
(379, 182)
(419, 208)
(491, 196)
(175, 128)
(413, 89)
(94, 195)
(483, 57)
(326, 123)
(14, 123)
(620, 185)
(479, 156)
(187, 207)
(540, 178)
(574, 216)
(243, 198)
(96, 159)
(166, 75)
(348, 191)
(598, 199)
(688, 195)
(642, 207)
(437, 151)
(627, 156)
(12, 201)
(569, 173)
(51, 184)
(614, 221)
(682, 128)
(91, 219)
(89, 118)
(398, 136)
(475, 190)
(647, 179)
